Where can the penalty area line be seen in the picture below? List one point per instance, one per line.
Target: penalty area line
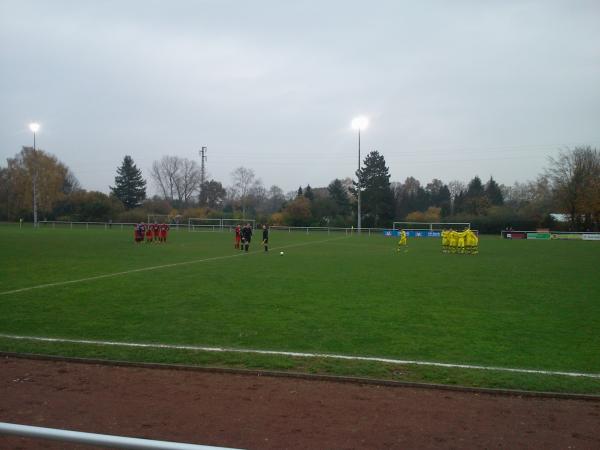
(162, 266)
(300, 355)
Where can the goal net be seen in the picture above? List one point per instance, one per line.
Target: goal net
(230, 224)
(204, 224)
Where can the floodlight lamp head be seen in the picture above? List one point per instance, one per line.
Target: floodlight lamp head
(34, 127)
(360, 123)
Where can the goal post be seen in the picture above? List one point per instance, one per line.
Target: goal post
(204, 224)
(230, 224)
(220, 224)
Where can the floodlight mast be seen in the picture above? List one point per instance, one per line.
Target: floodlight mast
(34, 127)
(359, 123)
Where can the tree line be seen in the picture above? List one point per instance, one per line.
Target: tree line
(570, 185)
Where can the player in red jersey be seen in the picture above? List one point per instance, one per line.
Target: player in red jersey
(138, 232)
(155, 231)
(238, 236)
(149, 233)
(162, 237)
(165, 231)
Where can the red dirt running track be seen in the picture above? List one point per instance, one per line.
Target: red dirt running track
(261, 412)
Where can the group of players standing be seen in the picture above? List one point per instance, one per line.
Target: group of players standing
(152, 232)
(465, 242)
(243, 237)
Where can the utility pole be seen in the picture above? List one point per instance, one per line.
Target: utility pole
(203, 158)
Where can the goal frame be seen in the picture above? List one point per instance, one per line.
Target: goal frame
(209, 225)
(219, 224)
(231, 223)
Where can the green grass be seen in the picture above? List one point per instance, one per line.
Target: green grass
(521, 304)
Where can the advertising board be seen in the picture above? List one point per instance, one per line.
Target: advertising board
(413, 233)
(423, 233)
(567, 236)
(542, 236)
(590, 237)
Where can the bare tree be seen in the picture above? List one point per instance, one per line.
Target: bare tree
(276, 198)
(574, 176)
(243, 180)
(176, 178)
(455, 187)
(188, 181)
(164, 174)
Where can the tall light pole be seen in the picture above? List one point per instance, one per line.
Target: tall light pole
(34, 127)
(359, 123)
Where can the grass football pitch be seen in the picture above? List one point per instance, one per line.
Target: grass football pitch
(518, 304)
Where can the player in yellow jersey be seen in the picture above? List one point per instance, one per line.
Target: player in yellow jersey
(445, 240)
(475, 238)
(453, 241)
(402, 241)
(461, 241)
(468, 241)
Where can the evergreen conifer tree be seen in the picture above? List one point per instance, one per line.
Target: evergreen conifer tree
(308, 193)
(129, 187)
(377, 197)
(493, 193)
(475, 199)
(338, 194)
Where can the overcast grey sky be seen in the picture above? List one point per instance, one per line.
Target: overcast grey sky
(452, 88)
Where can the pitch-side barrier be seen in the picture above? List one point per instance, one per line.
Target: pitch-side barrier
(547, 235)
(100, 440)
(328, 230)
(206, 227)
(95, 225)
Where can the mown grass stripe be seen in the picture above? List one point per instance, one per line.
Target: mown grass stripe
(162, 266)
(301, 355)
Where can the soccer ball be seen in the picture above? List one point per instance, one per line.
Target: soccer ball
(281, 253)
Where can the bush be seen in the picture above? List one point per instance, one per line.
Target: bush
(135, 215)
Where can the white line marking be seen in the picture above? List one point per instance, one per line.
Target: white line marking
(163, 266)
(299, 355)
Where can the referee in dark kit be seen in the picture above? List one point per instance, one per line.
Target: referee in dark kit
(265, 240)
(246, 236)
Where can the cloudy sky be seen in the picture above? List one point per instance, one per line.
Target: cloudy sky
(452, 88)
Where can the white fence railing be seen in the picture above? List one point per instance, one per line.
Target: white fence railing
(329, 230)
(203, 227)
(96, 225)
(100, 440)
(221, 227)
